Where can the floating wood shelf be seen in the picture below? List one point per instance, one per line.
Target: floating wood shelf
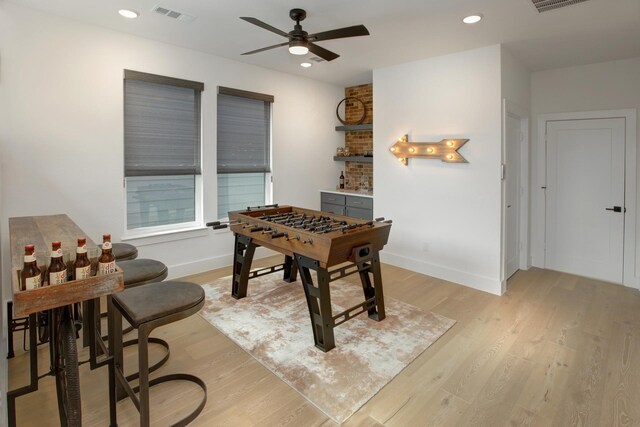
(357, 159)
(366, 126)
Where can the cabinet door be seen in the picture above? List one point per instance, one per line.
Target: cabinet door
(331, 208)
(360, 202)
(334, 199)
(359, 213)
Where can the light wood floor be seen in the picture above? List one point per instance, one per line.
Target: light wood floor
(556, 349)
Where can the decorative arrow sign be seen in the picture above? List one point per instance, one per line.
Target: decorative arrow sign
(445, 150)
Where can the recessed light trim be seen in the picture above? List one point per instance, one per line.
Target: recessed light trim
(306, 64)
(472, 19)
(127, 13)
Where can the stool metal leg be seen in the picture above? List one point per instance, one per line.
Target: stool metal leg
(10, 352)
(143, 368)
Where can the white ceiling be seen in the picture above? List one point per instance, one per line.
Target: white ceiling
(401, 30)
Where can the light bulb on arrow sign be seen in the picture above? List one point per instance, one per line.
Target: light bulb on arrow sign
(445, 150)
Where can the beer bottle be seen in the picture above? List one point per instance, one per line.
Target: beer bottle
(57, 268)
(30, 276)
(107, 261)
(82, 265)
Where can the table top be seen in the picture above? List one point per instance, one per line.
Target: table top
(41, 231)
(328, 248)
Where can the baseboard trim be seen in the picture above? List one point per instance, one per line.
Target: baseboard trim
(485, 284)
(207, 264)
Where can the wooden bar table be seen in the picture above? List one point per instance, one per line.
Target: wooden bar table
(57, 301)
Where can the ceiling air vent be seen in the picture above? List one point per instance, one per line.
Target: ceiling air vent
(184, 17)
(546, 5)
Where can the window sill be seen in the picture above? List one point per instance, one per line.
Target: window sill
(153, 238)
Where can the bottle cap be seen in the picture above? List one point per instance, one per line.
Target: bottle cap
(106, 237)
(29, 247)
(56, 245)
(82, 241)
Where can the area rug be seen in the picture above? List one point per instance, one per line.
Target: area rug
(272, 324)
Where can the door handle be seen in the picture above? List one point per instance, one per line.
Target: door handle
(615, 209)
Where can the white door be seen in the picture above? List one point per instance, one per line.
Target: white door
(585, 197)
(512, 195)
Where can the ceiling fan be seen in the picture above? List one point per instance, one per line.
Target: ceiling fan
(300, 42)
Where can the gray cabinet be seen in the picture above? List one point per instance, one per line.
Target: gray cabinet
(353, 206)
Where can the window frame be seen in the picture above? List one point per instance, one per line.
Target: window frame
(168, 229)
(268, 176)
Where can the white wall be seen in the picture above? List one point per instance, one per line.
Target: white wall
(611, 85)
(516, 94)
(62, 143)
(515, 80)
(446, 217)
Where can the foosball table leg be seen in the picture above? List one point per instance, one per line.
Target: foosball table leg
(318, 301)
(290, 269)
(242, 258)
(376, 312)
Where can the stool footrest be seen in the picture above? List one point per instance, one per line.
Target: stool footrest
(157, 365)
(181, 377)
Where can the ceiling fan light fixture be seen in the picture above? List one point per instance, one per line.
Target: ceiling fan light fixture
(306, 64)
(472, 19)
(298, 47)
(127, 13)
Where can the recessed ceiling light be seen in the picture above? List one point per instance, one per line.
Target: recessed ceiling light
(128, 13)
(472, 19)
(305, 64)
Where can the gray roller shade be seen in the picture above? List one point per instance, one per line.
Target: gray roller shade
(161, 125)
(243, 132)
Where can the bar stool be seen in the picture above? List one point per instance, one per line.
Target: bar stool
(124, 251)
(135, 272)
(146, 307)
(141, 271)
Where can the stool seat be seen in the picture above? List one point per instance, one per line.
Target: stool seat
(138, 272)
(124, 251)
(153, 301)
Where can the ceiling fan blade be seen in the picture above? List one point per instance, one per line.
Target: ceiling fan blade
(266, 48)
(264, 25)
(356, 30)
(323, 53)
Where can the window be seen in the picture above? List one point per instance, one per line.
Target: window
(244, 156)
(162, 144)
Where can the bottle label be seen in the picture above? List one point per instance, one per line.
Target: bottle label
(81, 249)
(29, 258)
(57, 277)
(32, 282)
(106, 268)
(106, 245)
(83, 272)
(56, 253)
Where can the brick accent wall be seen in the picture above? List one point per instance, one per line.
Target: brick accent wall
(361, 141)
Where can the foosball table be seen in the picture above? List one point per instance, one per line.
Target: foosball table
(312, 240)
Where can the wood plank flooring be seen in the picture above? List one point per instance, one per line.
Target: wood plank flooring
(555, 350)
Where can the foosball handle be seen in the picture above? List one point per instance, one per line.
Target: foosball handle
(249, 208)
(211, 224)
(379, 219)
(219, 226)
(277, 235)
(389, 221)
